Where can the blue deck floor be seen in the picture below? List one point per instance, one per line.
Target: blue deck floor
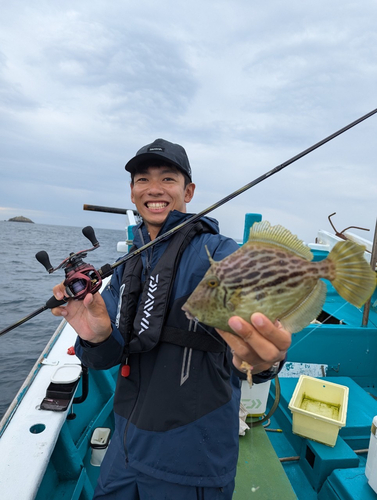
(318, 472)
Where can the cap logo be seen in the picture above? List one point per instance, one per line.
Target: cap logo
(156, 149)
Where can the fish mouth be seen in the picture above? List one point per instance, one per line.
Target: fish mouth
(189, 315)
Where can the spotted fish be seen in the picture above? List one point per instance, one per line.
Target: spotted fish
(273, 274)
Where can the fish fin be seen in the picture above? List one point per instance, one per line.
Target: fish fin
(354, 280)
(303, 313)
(211, 261)
(278, 235)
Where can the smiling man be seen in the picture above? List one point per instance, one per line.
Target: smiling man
(160, 182)
(177, 397)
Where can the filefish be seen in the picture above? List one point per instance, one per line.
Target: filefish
(273, 273)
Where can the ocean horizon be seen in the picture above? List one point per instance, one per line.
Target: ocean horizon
(26, 286)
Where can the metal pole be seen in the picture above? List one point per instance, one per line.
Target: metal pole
(108, 269)
(111, 210)
(196, 217)
(373, 262)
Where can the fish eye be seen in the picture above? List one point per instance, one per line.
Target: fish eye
(213, 282)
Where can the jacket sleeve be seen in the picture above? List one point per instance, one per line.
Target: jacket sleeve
(225, 247)
(268, 374)
(108, 353)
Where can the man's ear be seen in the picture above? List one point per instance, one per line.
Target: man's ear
(189, 192)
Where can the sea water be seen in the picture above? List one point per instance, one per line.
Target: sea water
(25, 286)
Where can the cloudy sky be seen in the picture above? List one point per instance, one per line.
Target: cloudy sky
(243, 85)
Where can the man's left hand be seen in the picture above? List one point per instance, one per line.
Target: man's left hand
(260, 343)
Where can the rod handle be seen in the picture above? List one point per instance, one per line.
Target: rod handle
(54, 302)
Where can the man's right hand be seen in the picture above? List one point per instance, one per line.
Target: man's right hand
(88, 317)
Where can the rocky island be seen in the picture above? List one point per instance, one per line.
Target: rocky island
(20, 219)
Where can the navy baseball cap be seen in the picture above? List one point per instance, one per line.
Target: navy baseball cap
(161, 150)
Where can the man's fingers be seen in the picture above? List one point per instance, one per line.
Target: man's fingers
(59, 291)
(268, 341)
(239, 347)
(261, 326)
(235, 343)
(59, 311)
(95, 305)
(275, 333)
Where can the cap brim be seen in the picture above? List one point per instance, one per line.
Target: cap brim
(136, 161)
(132, 165)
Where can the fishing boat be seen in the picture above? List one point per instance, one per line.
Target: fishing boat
(56, 431)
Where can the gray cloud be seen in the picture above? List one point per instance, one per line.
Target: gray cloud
(243, 86)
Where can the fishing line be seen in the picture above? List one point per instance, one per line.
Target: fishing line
(372, 322)
(369, 320)
(207, 331)
(291, 348)
(316, 327)
(108, 269)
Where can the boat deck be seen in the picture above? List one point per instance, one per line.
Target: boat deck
(345, 353)
(257, 465)
(315, 471)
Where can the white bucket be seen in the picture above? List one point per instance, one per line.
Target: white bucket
(371, 465)
(99, 443)
(255, 398)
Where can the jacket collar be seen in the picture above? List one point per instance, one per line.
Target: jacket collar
(174, 218)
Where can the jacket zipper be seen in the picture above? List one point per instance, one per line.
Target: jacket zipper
(129, 420)
(148, 257)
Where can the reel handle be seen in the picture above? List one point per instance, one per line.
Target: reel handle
(43, 258)
(88, 232)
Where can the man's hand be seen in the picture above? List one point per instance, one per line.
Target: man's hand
(259, 343)
(88, 317)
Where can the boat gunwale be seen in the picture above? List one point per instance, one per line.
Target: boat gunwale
(12, 408)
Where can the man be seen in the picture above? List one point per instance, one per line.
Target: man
(178, 391)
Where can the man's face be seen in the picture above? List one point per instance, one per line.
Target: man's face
(156, 191)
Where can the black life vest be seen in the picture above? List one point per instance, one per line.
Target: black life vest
(144, 317)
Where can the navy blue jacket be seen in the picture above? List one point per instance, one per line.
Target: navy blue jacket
(178, 410)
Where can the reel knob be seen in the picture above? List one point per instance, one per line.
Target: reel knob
(43, 258)
(88, 232)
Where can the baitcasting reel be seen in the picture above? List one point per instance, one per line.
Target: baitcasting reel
(80, 278)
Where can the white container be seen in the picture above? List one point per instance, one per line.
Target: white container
(319, 409)
(371, 465)
(66, 374)
(255, 398)
(372, 452)
(99, 443)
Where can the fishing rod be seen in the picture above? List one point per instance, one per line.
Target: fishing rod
(82, 278)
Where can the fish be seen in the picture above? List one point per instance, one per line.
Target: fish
(273, 273)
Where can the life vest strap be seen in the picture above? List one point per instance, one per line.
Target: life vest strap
(194, 340)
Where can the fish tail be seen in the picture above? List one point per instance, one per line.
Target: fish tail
(354, 279)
